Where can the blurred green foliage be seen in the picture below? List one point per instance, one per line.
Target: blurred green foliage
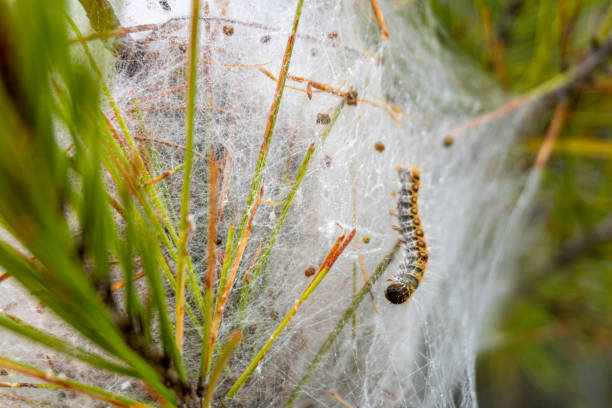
(554, 344)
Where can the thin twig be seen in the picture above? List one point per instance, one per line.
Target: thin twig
(155, 27)
(556, 87)
(384, 32)
(253, 262)
(364, 272)
(210, 36)
(164, 175)
(354, 319)
(342, 402)
(102, 35)
(235, 65)
(183, 230)
(166, 92)
(211, 253)
(389, 109)
(487, 117)
(165, 142)
(161, 108)
(552, 134)
(388, 104)
(227, 167)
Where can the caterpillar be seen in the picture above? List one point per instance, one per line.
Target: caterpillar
(413, 264)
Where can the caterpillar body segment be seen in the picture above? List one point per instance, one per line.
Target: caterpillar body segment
(415, 256)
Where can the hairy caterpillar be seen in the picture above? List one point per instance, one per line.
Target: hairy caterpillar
(413, 264)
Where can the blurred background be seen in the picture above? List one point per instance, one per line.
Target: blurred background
(553, 345)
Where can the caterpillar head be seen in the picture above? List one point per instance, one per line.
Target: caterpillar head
(398, 293)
